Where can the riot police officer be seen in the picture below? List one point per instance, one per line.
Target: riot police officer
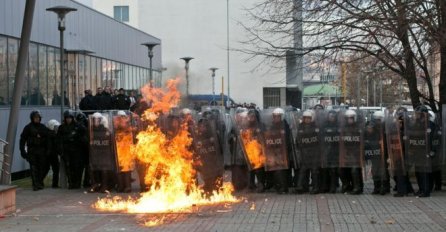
(209, 154)
(330, 174)
(310, 154)
(81, 118)
(53, 154)
(239, 169)
(401, 176)
(102, 157)
(282, 176)
(34, 148)
(419, 133)
(73, 137)
(380, 167)
(350, 154)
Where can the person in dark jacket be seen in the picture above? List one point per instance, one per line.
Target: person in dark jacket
(36, 98)
(121, 101)
(106, 102)
(87, 103)
(34, 148)
(57, 99)
(72, 136)
(53, 154)
(97, 98)
(83, 120)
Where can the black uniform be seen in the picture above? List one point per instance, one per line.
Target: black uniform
(239, 169)
(87, 104)
(73, 139)
(330, 139)
(53, 157)
(82, 119)
(374, 151)
(121, 102)
(351, 159)
(35, 138)
(308, 142)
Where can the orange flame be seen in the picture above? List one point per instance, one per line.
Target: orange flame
(124, 143)
(253, 149)
(170, 173)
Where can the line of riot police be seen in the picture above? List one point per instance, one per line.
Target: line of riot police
(299, 152)
(311, 151)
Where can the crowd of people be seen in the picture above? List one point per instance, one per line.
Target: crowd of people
(314, 151)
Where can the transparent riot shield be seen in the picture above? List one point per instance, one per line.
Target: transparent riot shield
(292, 118)
(102, 152)
(308, 142)
(169, 124)
(207, 151)
(374, 151)
(394, 129)
(330, 133)
(437, 145)
(276, 143)
(249, 132)
(417, 141)
(443, 139)
(351, 146)
(226, 138)
(216, 116)
(123, 140)
(237, 154)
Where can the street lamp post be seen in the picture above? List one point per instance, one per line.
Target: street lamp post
(213, 83)
(150, 46)
(187, 60)
(61, 11)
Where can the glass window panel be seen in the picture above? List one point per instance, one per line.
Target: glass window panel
(121, 13)
(87, 73)
(72, 76)
(36, 97)
(43, 73)
(53, 88)
(81, 85)
(127, 77)
(4, 94)
(113, 75)
(94, 79)
(56, 94)
(104, 73)
(13, 47)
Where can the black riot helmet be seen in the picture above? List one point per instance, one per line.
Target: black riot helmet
(34, 114)
(68, 114)
(422, 109)
(81, 117)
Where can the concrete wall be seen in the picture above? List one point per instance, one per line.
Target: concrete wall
(48, 113)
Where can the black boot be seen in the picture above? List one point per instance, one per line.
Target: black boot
(302, 181)
(260, 174)
(333, 180)
(315, 181)
(376, 186)
(357, 179)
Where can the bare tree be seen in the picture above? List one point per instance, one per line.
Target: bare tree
(400, 34)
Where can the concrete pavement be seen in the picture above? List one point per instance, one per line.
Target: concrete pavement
(70, 210)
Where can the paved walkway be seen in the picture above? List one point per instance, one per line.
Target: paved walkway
(69, 210)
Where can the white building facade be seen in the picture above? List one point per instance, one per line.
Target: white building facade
(198, 28)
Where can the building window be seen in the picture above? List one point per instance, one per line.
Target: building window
(121, 13)
(271, 97)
